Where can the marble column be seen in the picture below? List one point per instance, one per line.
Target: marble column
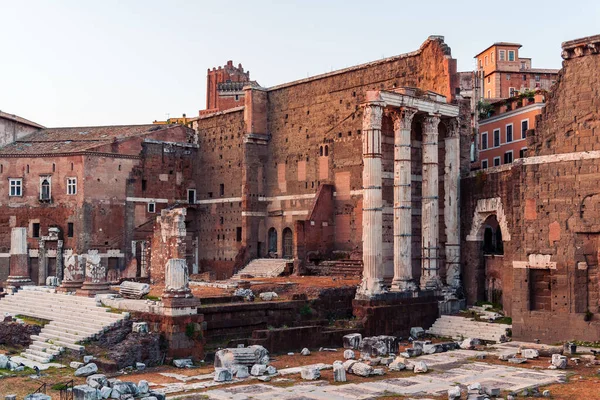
(452, 204)
(177, 298)
(95, 276)
(372, 216)
(59, 260)
(430, 279)
(42, 262)
(403, 277)
(18, 274)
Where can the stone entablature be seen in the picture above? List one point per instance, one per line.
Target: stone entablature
(581, 47)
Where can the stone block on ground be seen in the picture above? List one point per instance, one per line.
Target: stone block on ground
(271, 370)
(379, 345)
(349, 363)
(105, 392)
(454, 393)
(397, 365)
(349, 354)
(378, 372)
(247, 294)
(139, 327)
(96, 380)
(559, 361)
(433, 348)
(241, 372)
(38, 396)
(417, 332)
(305, 352)
(420, 367)
(339, 373)
(85, 392)
(222, 375)
(140, 366)
(143, 387)
(76, 364)
(183, 363)
(517, 360)
(414, 351)
(268, 296)
(529, 353)
(87, 370)
(310, 373)
(125, 388)
(258, 370)
(361, 369)
(470, 343)
(3, 361)
(133, 290)
(247, 356)
(492, 391)
(87, 359)
(352, 341)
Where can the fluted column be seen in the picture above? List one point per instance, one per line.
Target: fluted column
(403, 277)
(452, 204)
(430, 205)
(372, 217)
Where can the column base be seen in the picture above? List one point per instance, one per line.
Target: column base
(90, 289)
(370, 287)
(69, 286)
(14, 283)
(431, 283)
(404, 285)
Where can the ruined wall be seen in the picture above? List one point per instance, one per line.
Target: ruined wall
(12, 130)
(168, 241)
(551, 203)
(219, 183)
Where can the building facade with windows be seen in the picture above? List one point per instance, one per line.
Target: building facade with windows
(501, 73)
(78, 190)
(503, 135)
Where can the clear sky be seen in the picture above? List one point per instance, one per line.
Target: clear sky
(107, 62)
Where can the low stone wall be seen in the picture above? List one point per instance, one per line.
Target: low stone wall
(295, 339)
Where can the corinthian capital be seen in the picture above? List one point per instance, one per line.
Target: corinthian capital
(430, 123)
(403, 118)
(372, 115)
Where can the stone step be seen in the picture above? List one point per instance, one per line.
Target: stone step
(33, 357)
(58, 298)
(65, 335)
(59, 342)
(48, 314)
(85, 323)
(100, 311)
(70, 328)
(43, 349)
(487, 329)
(40, 354)
(50, 336)
(49, 346)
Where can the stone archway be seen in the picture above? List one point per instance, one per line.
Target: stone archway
(484, 209)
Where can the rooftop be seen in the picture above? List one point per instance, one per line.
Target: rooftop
(18, 119)
(75, 139)
(500, 44)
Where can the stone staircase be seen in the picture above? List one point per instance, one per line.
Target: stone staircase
(347, 268)
(263, 268)
(461, 327)
(72, 319)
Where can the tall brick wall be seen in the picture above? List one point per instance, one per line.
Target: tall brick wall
(551, 204)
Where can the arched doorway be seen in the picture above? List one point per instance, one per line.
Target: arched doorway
(493, 250)
(272, 241)
(288, 243)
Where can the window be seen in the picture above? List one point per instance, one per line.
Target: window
(523, 152)
(524, 77)
(496, 137)
(502, 55)
(222, 189)
(489, 94)
(509, 133)
(484, 164)
(70, 229)
(45, 188)
(237, 97)
(480, 63)
(151, 207)
(484, 141)
(523, 65)
(508, 157)
(71, 186)
(191, 196)
(486, 60)
(221, 220)
(16, 187)
(210, 195)
(508, 77)
(496, 161)
(512, 92)
(238, 234)
(524, 128)
(492, 57)
(537, 78)
(511, 55)
(143, 184)
(489, 79)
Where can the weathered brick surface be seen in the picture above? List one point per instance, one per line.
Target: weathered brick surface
(551, 209)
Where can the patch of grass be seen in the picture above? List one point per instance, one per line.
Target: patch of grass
(153, 298)
(305, 310)
(504, 320)
(32, 320)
